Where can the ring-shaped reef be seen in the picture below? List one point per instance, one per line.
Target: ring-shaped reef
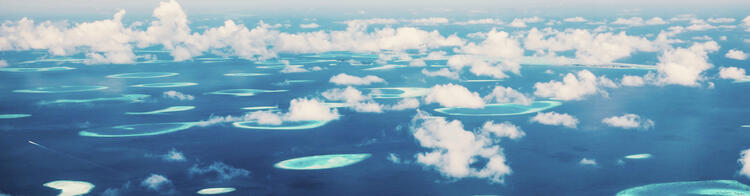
(245, 74)
(165, 84)
(504, 109)
(11, 116)
(126, 98)
(70, 187)
(286, 125)
(322, 161)
(639, 156)
(398, 92)
(215, 191)
(143, 75)
(34, 69)
(244, 92)
(61, 89)
(165, 110)
(709, 187)
(135, 130)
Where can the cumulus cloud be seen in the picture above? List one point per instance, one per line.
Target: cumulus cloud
(575, 19)
(294, 69)
(354, 99)
(501, 94)
(300, 109)
(745, 163)
(481, 21)
(345, 79)
(177, 95)
(736, 54)
(521, 22)
(404, 104)
(721, 20)
(109, 41)
(629, 121)
(309, 26)
(156, 182)
(590, 48)
(456, 152)
(628, 80)
(173, 156)
(685, 66)
(586, 161)
(574, 87)
(3, 63)
(638, 21)
(496, 45)
(430, 21)
(746, 23)
(734, 73)
(221, 171)
(443, 72)
(453, 95)
(553, 118)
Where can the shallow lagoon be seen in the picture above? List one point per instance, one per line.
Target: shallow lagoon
(135, 130)
(214, 191)
(398, 92)
(34, 69)
(322, 161)
(505, 109)
(165, 110)
(286, 125)
(11, 116)
(711, 187)
(61, 89)
(143, 75)
(244, 92)
(165, 84)
(125, 98)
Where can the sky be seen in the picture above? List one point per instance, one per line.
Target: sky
(224, 7)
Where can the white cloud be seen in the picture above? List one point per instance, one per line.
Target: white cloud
(575, 19)
(734, 73)
(302, 109)
(177, 95)
(453, 95)
(498, 44)
(481, 21)
(436, 55)
(721, 20)
(156, 182)
(746, 23)
(345, 79)
(354, 99)
(745, 162)
(628, 80)
(293, 69)
(444, 72)
(501, 94)
(3, 63)
(586, 161)
(505, 129)
(394, 158)
(309, 26)
(417, 63)
(553, 118)
(430, 21)
(108, 41)
(629, 121)
(590, 48)
(574, 87)
(736, 55)
(173, 156)
(638, 21)
(685, 66)
(455, 151)
(223, 172)
(404, 104)
(521, 22)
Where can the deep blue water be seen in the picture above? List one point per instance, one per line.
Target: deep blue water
(697, 133)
